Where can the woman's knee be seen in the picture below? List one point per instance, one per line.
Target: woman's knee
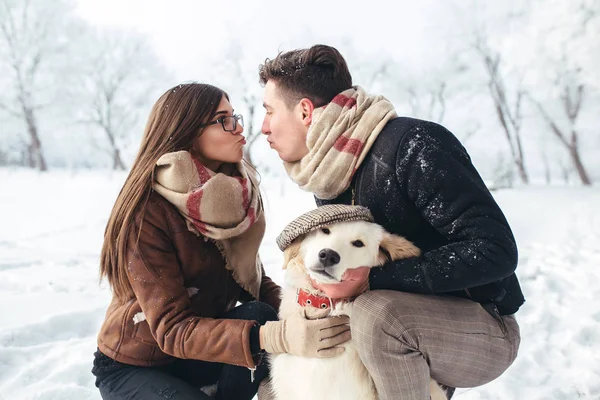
(254, 310)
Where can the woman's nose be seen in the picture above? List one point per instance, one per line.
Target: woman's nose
(239, 129)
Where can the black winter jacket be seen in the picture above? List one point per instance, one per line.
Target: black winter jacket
(419, 182)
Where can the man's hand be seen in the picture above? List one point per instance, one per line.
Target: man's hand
(306, 338)
(354, 282)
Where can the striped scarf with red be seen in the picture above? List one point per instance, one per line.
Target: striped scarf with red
(340, 136)
(224, 206)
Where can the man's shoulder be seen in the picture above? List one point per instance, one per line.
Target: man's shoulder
(403, 124)
(413, 134)
(400, 130)
(399, 127)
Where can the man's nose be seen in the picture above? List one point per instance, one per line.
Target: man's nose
(328, 257)
(265, 127)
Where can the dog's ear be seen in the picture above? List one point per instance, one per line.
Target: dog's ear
(292, 251)
(394, 247)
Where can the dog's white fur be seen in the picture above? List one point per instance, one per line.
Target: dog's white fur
(342, 377)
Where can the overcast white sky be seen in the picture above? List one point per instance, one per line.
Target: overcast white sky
(186, 32)
(190, 35)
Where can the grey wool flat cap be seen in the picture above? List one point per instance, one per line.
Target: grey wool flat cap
(319, 218)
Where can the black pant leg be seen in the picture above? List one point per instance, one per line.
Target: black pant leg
(235, 382)
(147, 383)
(182, 379)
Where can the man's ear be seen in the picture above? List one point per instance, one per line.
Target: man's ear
(306, 108)
(394, 247)
(292, 251)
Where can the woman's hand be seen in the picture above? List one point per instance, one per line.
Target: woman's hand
(306, 338)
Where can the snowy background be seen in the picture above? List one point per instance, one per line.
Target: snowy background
(52, 306)
(77, 80)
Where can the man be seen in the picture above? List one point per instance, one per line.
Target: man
(447, 314)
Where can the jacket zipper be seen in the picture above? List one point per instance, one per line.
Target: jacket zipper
(355, 188)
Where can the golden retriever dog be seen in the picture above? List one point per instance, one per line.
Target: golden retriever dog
(324, 256)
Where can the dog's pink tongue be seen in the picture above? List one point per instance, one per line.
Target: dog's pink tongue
(354, 282)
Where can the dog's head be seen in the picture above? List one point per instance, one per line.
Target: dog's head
(328, 252)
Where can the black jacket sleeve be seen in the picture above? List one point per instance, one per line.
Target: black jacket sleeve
(436, 175)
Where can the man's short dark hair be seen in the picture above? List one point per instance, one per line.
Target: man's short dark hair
(318, 74)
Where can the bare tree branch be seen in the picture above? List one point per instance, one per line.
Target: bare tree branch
(121, 73)
(25, 58)
(571, 108)
(10, 110)
(510, 118)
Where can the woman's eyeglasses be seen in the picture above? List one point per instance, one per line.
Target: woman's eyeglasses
(229, 123)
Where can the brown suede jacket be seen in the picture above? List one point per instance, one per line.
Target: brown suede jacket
(181, 285)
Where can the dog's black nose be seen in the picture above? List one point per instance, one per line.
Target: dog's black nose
(329, 257)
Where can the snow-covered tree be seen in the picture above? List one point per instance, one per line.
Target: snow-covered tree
(34, 35)
(508, 110)
(120, 77)
(569, 83)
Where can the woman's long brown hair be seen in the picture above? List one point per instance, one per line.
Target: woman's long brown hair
(174, 122)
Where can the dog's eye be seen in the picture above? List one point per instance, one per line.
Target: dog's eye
(326, 231)
(358, 243)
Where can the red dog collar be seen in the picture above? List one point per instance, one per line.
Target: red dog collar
(308, 299)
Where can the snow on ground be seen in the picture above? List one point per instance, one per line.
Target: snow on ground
(51, 304)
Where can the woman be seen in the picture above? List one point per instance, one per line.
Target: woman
(180, 251)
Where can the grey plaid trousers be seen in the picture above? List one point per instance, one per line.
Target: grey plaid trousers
(404, 338)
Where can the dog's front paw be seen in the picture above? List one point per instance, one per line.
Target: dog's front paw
(344, 308)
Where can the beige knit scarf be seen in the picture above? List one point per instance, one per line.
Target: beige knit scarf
(339, 138)
(223, 206)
